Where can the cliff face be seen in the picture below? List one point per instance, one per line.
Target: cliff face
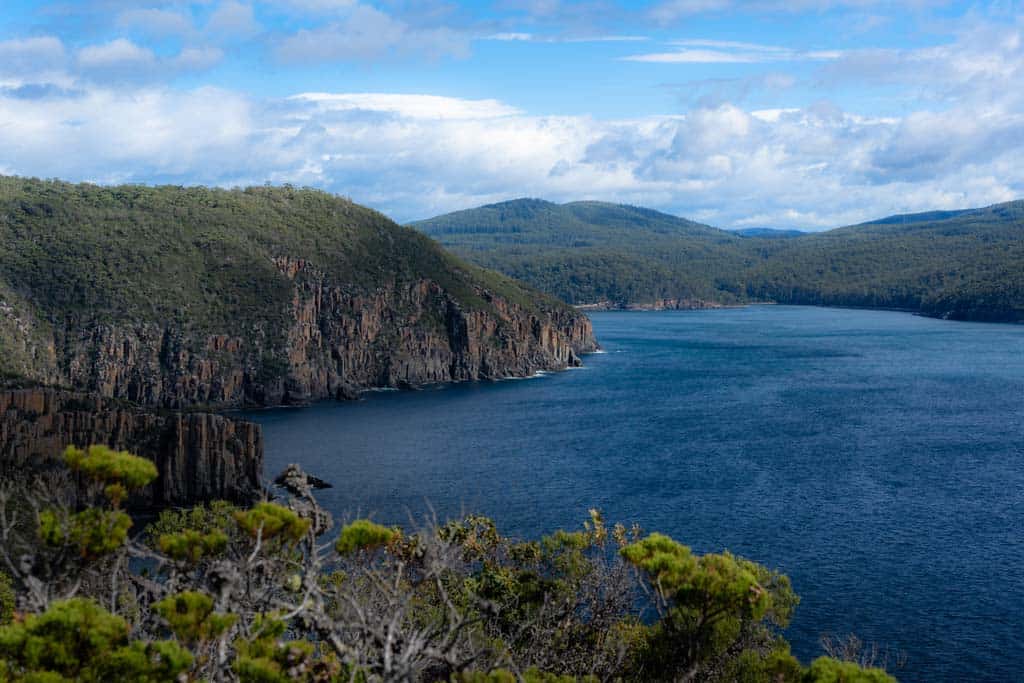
(179, 298)
(337, 341)
(198, 456)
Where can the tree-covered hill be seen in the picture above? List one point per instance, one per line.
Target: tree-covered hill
(587, 252)
(958, 264)
(179, 296)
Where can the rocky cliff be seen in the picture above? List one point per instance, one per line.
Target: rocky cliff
(336, 342)
(198, 456)
(191, 297)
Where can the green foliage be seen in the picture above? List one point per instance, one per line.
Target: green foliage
(78, 640)
(191, 617)
(192, 546)
(120, 471)
(7, 598)
(269, 658)
(94, 531)
(363, 534)
(777, 666)
(714, 602)
(827, 670)
(218, 516)
(561, 609)
(269, 520)
(962, 265)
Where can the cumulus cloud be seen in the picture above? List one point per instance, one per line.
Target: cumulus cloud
(671, 11)
(31, 56)
(414, 155)
(122, 61)
(233, 19)
(367, 33)
(156, 22)
(117, 54)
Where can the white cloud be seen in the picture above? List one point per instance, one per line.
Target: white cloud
(121, 61)
(522, 37)
(410, 106)
(156, 22)
(535, 38)
(416, 155)
(32, 60)
(673, 10)
(315, 6)
(117, 54)
(367, 33)
(196, 58)
(670, 11)
(727, 52)
(233, 19)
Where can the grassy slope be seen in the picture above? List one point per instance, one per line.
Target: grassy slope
(965, 264)
(84, 254)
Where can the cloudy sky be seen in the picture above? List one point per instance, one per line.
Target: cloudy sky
(798, 113)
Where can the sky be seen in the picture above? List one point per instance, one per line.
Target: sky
(806, 114)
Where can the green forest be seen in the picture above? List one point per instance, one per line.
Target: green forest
(279, 592)
(958, 264)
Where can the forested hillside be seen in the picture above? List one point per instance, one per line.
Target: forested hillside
(956, 264)
(589, 252)
(180, 297)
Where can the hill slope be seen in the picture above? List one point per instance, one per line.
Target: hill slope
(179, 297)
(587, 252)
(956, 264)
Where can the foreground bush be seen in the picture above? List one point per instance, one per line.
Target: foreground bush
(265, 594)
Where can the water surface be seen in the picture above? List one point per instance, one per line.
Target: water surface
(875, 457)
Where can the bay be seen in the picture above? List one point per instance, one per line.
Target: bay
(876, 457)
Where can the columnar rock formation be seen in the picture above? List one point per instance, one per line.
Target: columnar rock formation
(336, 342)
(198, 456)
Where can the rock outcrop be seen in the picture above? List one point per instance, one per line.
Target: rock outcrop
(337, 340)
(198, 456)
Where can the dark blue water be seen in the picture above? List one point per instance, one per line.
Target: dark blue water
(875, 457)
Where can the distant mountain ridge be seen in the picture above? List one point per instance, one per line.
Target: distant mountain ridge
(963, 264)
(540, 222)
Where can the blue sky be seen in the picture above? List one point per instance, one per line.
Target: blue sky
(807, 113)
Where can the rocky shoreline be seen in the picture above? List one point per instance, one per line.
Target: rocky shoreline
(659, 305)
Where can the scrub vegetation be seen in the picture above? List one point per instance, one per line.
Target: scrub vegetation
(279, 592)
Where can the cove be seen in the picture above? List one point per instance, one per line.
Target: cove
(876, 457)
